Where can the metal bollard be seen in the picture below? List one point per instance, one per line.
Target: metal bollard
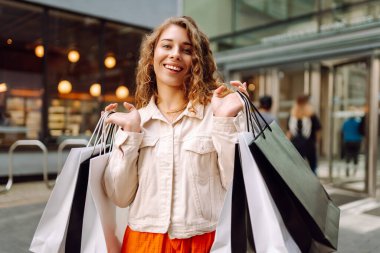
(65, 143)
(19, 143)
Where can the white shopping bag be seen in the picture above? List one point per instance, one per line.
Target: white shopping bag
(103, 223)
(50, 231)
(50, 235)
(222, 241)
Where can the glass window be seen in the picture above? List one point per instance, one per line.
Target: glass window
(20, 72)
(90, 63)
(332, 4)
(291, 80)
(350, 15)
(73, 66)
(86, 61)
(276, 34)
(351, 82)
(120, 56)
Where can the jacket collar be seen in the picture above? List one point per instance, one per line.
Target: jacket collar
(151, 111)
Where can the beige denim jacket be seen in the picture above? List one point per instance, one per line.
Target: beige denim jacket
(173, 176)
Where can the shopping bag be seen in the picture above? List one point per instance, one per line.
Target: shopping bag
(249, 219)
(76, 228)
(102, 219)
(269, 231)
(70, 208)
(93, 222)
(51, 229)
(309, 214)
(222, 241)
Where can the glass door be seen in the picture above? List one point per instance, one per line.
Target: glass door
(348, 141)
(378, 148)
(376, 99)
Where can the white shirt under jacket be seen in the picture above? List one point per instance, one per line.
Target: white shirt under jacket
(173, 176)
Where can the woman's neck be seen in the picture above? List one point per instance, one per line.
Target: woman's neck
(170, 99)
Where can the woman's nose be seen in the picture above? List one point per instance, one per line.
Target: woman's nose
(175, 54)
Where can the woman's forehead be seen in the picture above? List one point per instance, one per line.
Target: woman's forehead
(175, 33)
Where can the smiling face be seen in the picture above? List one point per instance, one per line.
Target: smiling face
(172, 57)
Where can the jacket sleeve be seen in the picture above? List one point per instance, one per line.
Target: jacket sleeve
(120, 176)
(224, 136)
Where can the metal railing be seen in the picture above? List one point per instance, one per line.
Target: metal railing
(12, 148)
(65, 143)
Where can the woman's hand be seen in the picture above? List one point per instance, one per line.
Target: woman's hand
(230, 104)
(129, 121)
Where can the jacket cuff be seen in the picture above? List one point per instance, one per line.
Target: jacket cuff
(224, 124)
(128, 138)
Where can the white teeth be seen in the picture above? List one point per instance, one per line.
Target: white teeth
(173, 67)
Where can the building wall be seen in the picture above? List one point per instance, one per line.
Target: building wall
(146, 13)
(214, 17)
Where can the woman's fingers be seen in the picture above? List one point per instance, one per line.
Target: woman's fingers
(240, 86)
(111, 107)
(236, 83)
(219, 92)
(243, 89)
(129, 106)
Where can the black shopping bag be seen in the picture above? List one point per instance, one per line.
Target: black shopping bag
(309, 214)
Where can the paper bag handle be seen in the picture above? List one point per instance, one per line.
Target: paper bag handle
(252, 117)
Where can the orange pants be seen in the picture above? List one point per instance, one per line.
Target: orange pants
(142, 242)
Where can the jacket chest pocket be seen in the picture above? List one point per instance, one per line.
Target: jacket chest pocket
(201, 157)
(201, 164)
(147, 159)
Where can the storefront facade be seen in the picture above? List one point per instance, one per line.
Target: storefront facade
(58, 68)
(327, 49)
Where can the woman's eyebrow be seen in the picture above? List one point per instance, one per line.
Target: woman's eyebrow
(187, 43)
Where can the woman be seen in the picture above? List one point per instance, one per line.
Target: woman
(304, 130)
(173, 159)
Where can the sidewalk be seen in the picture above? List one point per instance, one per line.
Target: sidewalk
(21, 209)
(20, 212)
(359, 228)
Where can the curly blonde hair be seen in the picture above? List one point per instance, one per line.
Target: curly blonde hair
(202, 78)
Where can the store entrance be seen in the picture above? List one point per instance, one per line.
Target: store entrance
(348, 141)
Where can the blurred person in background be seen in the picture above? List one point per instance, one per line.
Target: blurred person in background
(265, 106)
(304, 130)
(352, 139)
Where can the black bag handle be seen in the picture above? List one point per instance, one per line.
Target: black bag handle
(252, 117)
(249, 119)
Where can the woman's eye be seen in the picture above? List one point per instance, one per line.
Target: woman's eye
(166, 46)
(187, 51)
